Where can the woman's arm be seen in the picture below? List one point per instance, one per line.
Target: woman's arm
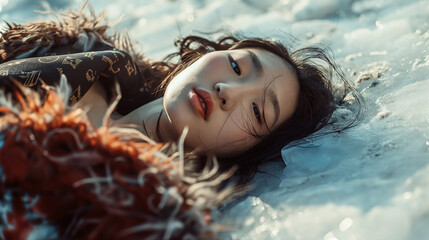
(82, 71)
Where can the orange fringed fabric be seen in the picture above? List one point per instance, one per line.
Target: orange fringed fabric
(62, 179)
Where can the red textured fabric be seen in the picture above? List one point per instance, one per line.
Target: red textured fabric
(89, 183)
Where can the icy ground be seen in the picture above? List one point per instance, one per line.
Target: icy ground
(370, 182)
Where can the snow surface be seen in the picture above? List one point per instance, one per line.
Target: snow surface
(369, 182)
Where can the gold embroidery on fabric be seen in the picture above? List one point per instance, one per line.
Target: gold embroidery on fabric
(111, 62)
(60, 70)
(48, 59)
(73, 62)
(90, 55)
(115, 51)
(75, 96)
(131, 68)
(31, 78)
(4, 72)
(90, 75)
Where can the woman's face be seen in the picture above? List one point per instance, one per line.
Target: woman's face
(227, 96)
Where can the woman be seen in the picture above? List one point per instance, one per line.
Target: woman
(243, 100)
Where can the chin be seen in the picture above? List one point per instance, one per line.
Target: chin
(178, 119)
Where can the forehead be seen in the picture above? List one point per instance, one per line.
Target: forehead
(272, 61)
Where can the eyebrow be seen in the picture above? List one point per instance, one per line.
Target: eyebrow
(274, 100)
(257, 65)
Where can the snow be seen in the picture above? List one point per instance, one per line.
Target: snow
(369, 182)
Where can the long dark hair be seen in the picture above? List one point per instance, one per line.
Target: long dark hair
(317, 99)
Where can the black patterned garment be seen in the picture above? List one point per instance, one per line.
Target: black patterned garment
(83, 63)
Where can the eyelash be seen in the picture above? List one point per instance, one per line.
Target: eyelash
(237, 70)
(256, 112)
(234, 65)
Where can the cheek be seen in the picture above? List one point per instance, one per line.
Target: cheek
(203, 73)
(206, 70)
(231, 135)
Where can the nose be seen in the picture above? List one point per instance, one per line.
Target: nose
(230, 93)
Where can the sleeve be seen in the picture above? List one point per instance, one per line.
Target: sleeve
(81, 70)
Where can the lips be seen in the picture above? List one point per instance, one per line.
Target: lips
(202, 102)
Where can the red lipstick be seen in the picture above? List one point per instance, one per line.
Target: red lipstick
(202, 102)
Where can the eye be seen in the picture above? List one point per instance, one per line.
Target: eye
(256, 112)
(234, 65)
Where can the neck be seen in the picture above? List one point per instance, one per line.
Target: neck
(150, 119)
